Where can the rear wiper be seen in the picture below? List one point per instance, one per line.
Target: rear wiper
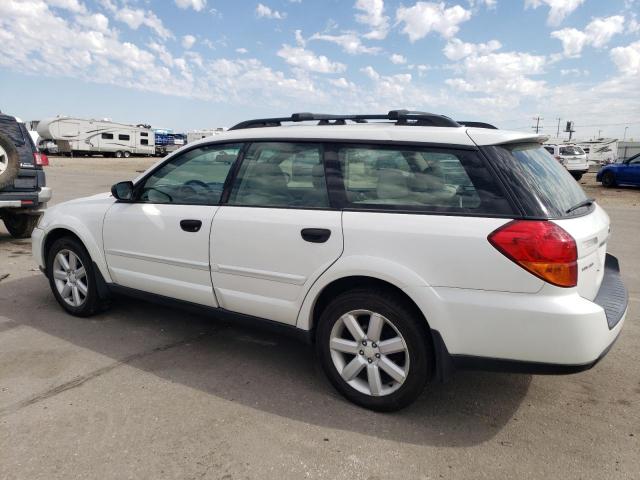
(587, 202)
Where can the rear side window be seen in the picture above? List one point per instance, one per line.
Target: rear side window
(280, 174)
(542, 185)
(423, 179)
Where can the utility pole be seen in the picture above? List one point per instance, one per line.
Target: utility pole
(537, 125)
(625, 133)
(558, 132)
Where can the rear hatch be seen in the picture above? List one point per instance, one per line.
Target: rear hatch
(30, 176)
(544, 190)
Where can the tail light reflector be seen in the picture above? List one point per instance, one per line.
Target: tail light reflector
(41, 159)
(541, 247)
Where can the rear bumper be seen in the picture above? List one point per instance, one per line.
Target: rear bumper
(25, 199)
(552, 331)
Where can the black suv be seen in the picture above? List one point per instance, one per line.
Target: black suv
(23, 191)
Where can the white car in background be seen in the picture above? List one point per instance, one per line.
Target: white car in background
(572, 157)
(403, 245)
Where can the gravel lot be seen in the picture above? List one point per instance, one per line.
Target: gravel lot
(143, 391)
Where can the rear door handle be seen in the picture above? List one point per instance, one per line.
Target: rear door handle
(190, 225)
(315, 235)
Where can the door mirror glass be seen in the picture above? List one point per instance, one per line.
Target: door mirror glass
(123, 191)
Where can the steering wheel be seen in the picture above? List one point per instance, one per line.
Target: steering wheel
(198, 183)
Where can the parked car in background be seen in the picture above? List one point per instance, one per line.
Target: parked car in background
(23, 190)
(403, 245)
(623, 173)
(572, 157)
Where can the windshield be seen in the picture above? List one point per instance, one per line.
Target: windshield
(571, 150)
(543, 186)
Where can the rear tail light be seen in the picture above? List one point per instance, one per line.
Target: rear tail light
(541, 247)
(41, 159)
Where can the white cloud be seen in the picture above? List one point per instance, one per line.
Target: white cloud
(426, 17)
(188, 41)
(558, 9)
(309, 61)
(71, 5)
(573, 72)
(503, 76)
(342, 83)
(397, 59)
(262, 11)
(242, 50)
(197, 5)
(135, 17)
(373, 16)
(456, 49)
(95, 21)
(597, 34)
(349, 41)
(627, 59)
(300, 41)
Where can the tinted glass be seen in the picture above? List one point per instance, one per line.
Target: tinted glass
(543, 186)
(281, 175)
(419, 179)
(194, 177)
(107, 136)
(571, 150)
(123, 137)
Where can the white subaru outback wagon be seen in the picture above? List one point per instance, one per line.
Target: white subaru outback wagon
(403, 245)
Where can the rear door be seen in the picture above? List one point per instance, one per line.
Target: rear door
(160, 243)
(276, 234)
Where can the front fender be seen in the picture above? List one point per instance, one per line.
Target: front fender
(353, 266)
(83, 219)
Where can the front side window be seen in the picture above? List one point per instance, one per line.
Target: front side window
(419, 179)
(195, 177)
(280, 174)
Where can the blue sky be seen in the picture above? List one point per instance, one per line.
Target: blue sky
(188, 64)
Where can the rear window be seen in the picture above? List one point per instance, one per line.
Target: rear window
(571, 150)
(543, 187)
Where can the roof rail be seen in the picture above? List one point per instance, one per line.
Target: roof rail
(401, 117)
(465, 123)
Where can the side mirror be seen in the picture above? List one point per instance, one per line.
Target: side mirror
(123, 191)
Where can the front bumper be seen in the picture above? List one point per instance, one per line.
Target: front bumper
(37, 237)
(553, 331)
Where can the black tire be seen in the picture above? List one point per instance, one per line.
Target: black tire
(118, 154)
(608, 179)
(408, 322)
(92, 303)
(127, 154)
(10, 161)
(20, 225)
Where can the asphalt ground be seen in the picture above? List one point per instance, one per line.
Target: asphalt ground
(144, 391)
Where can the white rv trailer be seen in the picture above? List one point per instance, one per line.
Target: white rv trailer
(85, 137)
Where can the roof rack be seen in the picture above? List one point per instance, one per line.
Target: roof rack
(401, 117)
(477, 124)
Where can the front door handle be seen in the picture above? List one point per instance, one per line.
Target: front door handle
(190, 225)
(315, 235)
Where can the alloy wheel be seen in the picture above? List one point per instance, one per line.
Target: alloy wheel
(70, 277)
(369, 352)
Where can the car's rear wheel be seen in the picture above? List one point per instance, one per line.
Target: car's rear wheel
(374, 349)
(608, 179)
(127, 154)
(72, 277)
(9, 161)
(20, 225)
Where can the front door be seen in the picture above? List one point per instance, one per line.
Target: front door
(160, 243)
(276, 234)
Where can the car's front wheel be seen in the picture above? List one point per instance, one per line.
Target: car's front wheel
(374, 349)
(608, 179)
(72, 277)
